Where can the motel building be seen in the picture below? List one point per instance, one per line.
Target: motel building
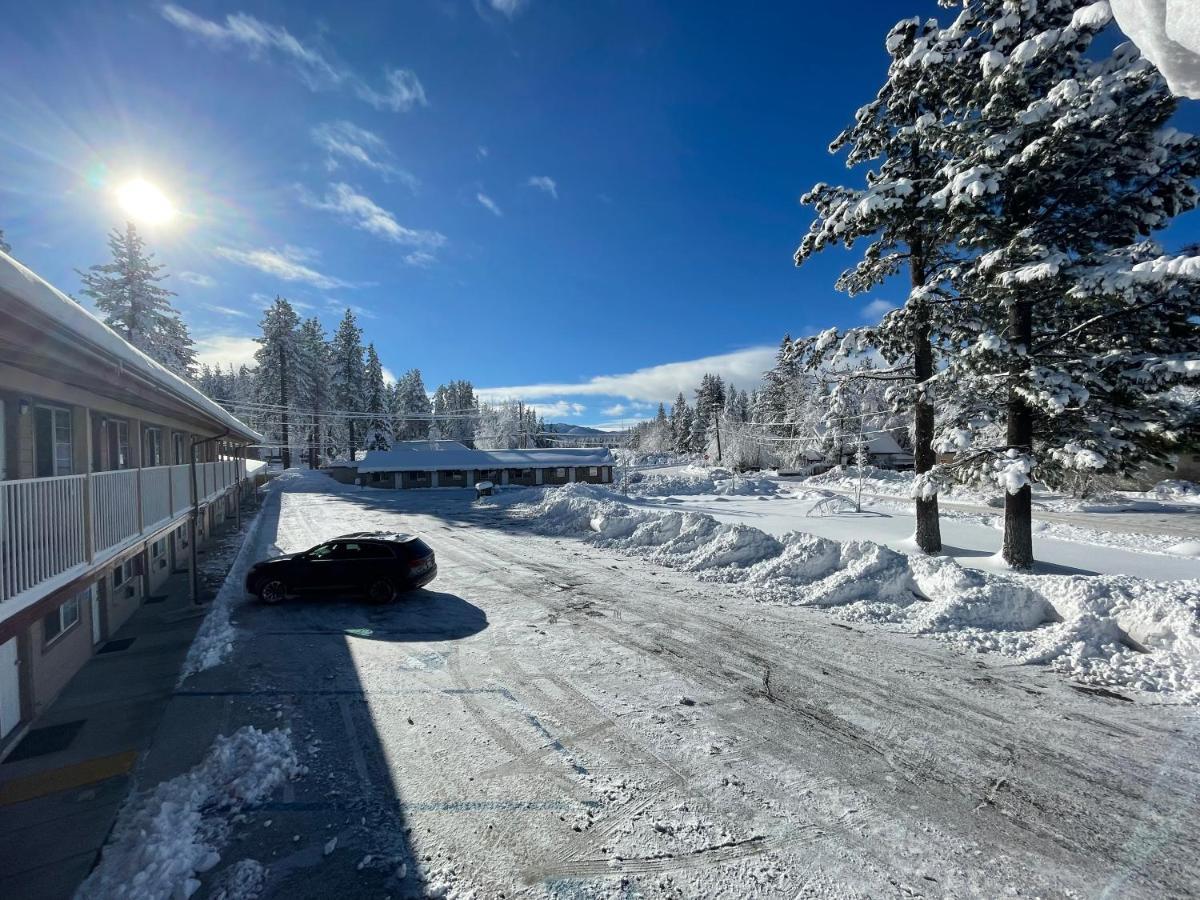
(445, 464)
(97, 488)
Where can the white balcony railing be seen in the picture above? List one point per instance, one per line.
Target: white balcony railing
(44, 522)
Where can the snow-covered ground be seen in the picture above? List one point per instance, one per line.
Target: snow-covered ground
(557, 718)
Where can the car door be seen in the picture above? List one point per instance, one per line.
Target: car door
(349, 572)
(318, 571)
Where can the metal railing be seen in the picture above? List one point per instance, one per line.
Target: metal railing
(51, 525)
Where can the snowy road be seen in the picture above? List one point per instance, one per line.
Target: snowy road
(552, 720)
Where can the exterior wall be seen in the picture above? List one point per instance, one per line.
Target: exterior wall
(379, 479)
(558, 475)
(456, 478)
(521, 476)
(495, 476)
(52, 665)
(583, 473)
(342, 474)
(159, 568)
(416, 479)
(124, 600)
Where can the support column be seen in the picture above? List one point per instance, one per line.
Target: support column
(433, 479)
(538, 476)
(570, 474)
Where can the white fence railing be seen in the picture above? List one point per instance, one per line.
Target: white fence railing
(44, 522)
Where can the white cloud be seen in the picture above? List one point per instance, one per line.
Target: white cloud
(488, 203)
(227, 311)
(288, 264)
(653, 384)
(558, 409)
(401, 91)
(366, 215)
(345, 142)
(481, 151)
(617, 409)
(226, 349)
(544, 183)
(196, 278)
(876, 309)
(361, 311)
(508, 7)
(422, 259)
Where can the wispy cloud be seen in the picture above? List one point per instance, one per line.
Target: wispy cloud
(401, 89)
(288, 264)
(196, 278)
(508, 7)
(544, 183)
(422, 259)
(227, 311)
(361, 311)
(876, 309)
(226, 349)
(653, 384)
(366, 215)
(488, 203)
(345, 142)
(481, 152)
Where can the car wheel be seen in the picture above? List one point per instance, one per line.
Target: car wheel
(381, 591)
(272, 591)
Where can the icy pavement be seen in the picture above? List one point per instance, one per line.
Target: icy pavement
(551, 719)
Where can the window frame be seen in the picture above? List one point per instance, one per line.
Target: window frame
(152, 439)
(55, 444)
(59, 615)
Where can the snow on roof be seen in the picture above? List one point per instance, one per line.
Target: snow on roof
(35, 292)
(878, 442)
(421, 456)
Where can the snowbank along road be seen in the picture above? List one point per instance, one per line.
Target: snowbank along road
(550, 719)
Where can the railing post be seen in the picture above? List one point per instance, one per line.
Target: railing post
(141, 525)
(89, 539)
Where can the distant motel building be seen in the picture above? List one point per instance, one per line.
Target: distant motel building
(96, 486)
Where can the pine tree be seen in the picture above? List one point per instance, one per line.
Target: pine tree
(1059, 162)
(128, 293)
(901, 132)
(681, 425)
(316, 387)
(411, 407)
(346, 355)
(278, 358)
(375, 402)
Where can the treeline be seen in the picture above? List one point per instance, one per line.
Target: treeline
(322, 398)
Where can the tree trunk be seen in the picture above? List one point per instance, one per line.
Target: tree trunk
(1018, 507)
(283, 403)
(929, 528)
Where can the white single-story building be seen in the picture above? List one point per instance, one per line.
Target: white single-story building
(428, 464)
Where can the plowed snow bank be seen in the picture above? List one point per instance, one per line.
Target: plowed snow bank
(1114, 630)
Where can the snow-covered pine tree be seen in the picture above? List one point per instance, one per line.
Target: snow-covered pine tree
(378, 430)
(316, 387)
(1058, 163)
(900, 132)
(681, 425)
(412, 407)
(128, 293)
(347, 357)
(278, 360)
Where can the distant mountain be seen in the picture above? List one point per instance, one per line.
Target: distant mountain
(563, 428)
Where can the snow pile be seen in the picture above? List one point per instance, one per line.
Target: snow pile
(1112, 630)
(698, 480)
(214, 639)
(1176, 491)
(164, 838)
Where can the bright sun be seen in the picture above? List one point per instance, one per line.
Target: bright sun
(145, 203)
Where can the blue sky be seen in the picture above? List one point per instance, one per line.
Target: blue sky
(584, 205)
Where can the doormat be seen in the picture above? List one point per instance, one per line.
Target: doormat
(40, 741)
(116, 646)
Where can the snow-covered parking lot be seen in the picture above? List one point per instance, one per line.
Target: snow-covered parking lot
(554, 718)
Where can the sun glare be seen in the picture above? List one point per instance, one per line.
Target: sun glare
(144, 203)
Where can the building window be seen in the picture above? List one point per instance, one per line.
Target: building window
(124, 572)
(177, 443)
(158, 549)
(52, 441)
(560, 473)
(593, 471)
(153, 447)
(57, 622)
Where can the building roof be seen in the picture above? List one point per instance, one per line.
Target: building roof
(424, 456)
(28, 288)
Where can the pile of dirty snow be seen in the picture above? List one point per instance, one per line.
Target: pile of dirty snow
(699, 480)
(164, 838)
(1112, 630)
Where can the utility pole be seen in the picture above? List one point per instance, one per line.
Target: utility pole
(717, 421)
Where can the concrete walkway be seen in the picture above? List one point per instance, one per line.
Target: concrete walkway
(56, 809)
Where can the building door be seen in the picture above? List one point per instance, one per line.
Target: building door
(97, 627)
(10, 688)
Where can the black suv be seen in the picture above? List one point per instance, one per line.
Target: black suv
(374, 564)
